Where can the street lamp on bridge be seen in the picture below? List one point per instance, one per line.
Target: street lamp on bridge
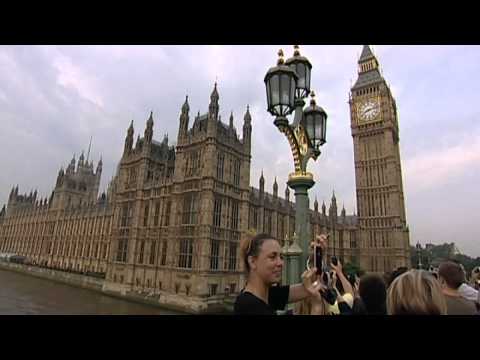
(419, 255)
(287, 85)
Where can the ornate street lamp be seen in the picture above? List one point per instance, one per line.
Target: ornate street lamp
(287, 85)
(315, 122)
(419, 249)
(280, 82)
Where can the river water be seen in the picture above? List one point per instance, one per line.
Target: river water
(27, 295)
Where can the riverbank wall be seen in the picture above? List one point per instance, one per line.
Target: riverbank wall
(160, 299)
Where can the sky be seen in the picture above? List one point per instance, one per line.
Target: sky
(53, 99)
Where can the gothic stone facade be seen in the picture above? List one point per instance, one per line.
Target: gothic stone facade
(172, 219)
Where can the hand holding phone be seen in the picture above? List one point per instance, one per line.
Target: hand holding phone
(334, 260)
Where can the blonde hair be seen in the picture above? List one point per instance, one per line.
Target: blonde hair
(251, 246)
(305, 307)
(416, 292)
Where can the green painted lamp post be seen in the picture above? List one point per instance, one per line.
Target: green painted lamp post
(292, 254)
(419, 254)
(287, 85)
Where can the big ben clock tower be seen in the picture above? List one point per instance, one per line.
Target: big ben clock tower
(383, 231)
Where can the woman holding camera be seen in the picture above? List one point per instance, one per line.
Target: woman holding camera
(262, 295)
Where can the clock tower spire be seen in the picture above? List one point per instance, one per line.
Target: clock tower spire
(383, 231)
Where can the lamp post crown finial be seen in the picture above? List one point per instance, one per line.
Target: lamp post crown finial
(312, 100)
(280, 61)
(296, 51)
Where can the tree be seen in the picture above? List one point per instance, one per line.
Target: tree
(352, 269)
(444, 252)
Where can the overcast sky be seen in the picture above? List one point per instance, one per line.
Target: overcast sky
(53, 98)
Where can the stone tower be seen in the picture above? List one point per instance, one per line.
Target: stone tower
(77, 185)
(383, 231)
(210, 195)
(139, 209)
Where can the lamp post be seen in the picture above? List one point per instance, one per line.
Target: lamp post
(419, 249)
(287, 85)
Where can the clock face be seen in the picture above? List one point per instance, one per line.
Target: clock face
(368, 110)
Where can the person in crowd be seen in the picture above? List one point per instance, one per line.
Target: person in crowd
(262, 294)
(314, 305)
(343, 289)
(372, 293)
(475, 278)
(451, 277)
(416, 292)
(396, 273)
(469, 293)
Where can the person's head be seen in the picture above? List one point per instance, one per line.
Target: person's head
(387, 278)
(262, 258)
(451, 275)
(475, 278)
(373, 292)
(416, 292)
(396, 273)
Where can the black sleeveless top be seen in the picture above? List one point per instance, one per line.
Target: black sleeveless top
(248, 304)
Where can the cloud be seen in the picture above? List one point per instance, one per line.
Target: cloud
(53, 98)
(71, 75)
(436, 167)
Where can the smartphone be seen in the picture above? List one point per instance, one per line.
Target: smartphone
(330, 296)
(334, 260)
(325, 278)
(318, 259)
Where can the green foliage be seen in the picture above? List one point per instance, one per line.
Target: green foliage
(439, 253)
(353, 268)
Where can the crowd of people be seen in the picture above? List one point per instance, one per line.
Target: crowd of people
(329, 291)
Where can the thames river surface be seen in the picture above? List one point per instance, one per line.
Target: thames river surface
(26, 295)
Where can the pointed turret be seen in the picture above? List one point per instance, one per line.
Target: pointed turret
(262, 183)
(324, 209)
(247, 119)
(315, 205)
(247, 129)
(287, 193)
(333, 212)
(184, 120)
(71, 166)
(275, 188)
(149, 129)
(344, 212)
(81, 160)
(99, 166)
(129, 139)
(368, 69)
(213, 108)
(137, 144)
(230, 124)
(185, 106)
(366, 53)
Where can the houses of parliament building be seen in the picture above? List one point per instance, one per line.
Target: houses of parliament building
(172, 218)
